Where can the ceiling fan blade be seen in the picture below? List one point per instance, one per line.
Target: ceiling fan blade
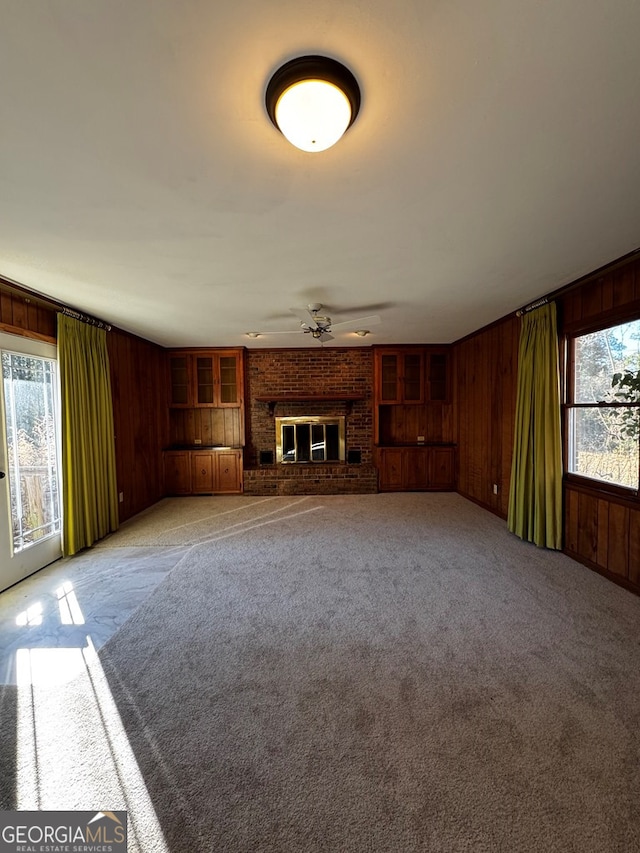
(359, 323)
(325, 336)
(290, 332)
(304, 315)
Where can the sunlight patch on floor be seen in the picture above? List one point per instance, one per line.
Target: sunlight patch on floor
(70, 613)
(72, 749)
(31, 616)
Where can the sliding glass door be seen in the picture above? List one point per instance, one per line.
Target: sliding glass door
(30, 494)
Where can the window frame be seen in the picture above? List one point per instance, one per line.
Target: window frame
(569, 406)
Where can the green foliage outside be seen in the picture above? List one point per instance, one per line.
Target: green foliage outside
(628, 384)
(28, 395)
(605, 439)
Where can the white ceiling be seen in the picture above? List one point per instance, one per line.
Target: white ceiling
(496, 157)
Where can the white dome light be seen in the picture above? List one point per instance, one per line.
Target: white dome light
(312, 100)
(313, 114)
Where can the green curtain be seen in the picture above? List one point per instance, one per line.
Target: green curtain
(89, 489)
(535, 494)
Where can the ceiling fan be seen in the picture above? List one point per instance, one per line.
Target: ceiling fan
(319, 325)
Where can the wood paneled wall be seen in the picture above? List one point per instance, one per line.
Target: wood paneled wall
(139, 396)
(206, 426)
(603, 531)
(613, 296)
(139, 390)
(486, 374)
(22, 315)
(400, 424)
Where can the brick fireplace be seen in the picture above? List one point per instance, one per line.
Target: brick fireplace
(324, 383)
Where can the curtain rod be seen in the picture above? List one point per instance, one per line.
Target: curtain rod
(532, 306)
(85, 318)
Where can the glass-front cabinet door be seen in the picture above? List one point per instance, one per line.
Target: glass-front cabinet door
(389, 383)
(179, 384)
(438, 377)
(413, 378)
(228, 385)
(216, 379)
(400, 376)
(205, 382)
(205, 379)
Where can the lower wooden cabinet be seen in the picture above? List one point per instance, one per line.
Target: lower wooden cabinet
(177, 472)
(414, 469)
(442, 468)
(228, 471)
(202, 472)
(391, 469)
(203, 478)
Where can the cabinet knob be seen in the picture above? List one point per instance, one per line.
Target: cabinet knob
(203, 471)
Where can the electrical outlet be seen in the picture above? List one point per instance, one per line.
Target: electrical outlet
(121, 496)
(495, 488)
(420, 439)
(197, 441)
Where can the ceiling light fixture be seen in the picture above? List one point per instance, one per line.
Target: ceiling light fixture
(312, 100)
(363, 332)
(253, 334)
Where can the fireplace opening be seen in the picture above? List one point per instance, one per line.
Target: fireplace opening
(310, 439)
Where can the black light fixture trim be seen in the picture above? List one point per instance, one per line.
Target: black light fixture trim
(312, 68)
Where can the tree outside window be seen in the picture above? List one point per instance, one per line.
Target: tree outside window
(28, 387)
(604, 405)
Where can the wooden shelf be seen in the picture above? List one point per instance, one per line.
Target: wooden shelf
(272, 400)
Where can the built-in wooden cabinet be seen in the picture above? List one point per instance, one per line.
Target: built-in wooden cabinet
(442, 467)
(391, 469)
(205, 390)
(216, 472)
(179, 380)
(177, 472)
(228, 471)
(400, 376)
(203, 472)
(206, 378)
(438, 377)
(411, 469)
(411, 375)
(206, 422)
(413, 418)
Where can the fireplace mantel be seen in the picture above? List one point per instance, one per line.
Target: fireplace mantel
(272, 400)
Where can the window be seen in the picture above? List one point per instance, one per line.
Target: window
(30, 421)
(603, 406)
(310, 439)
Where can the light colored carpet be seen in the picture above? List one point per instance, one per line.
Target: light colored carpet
(369, 673)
